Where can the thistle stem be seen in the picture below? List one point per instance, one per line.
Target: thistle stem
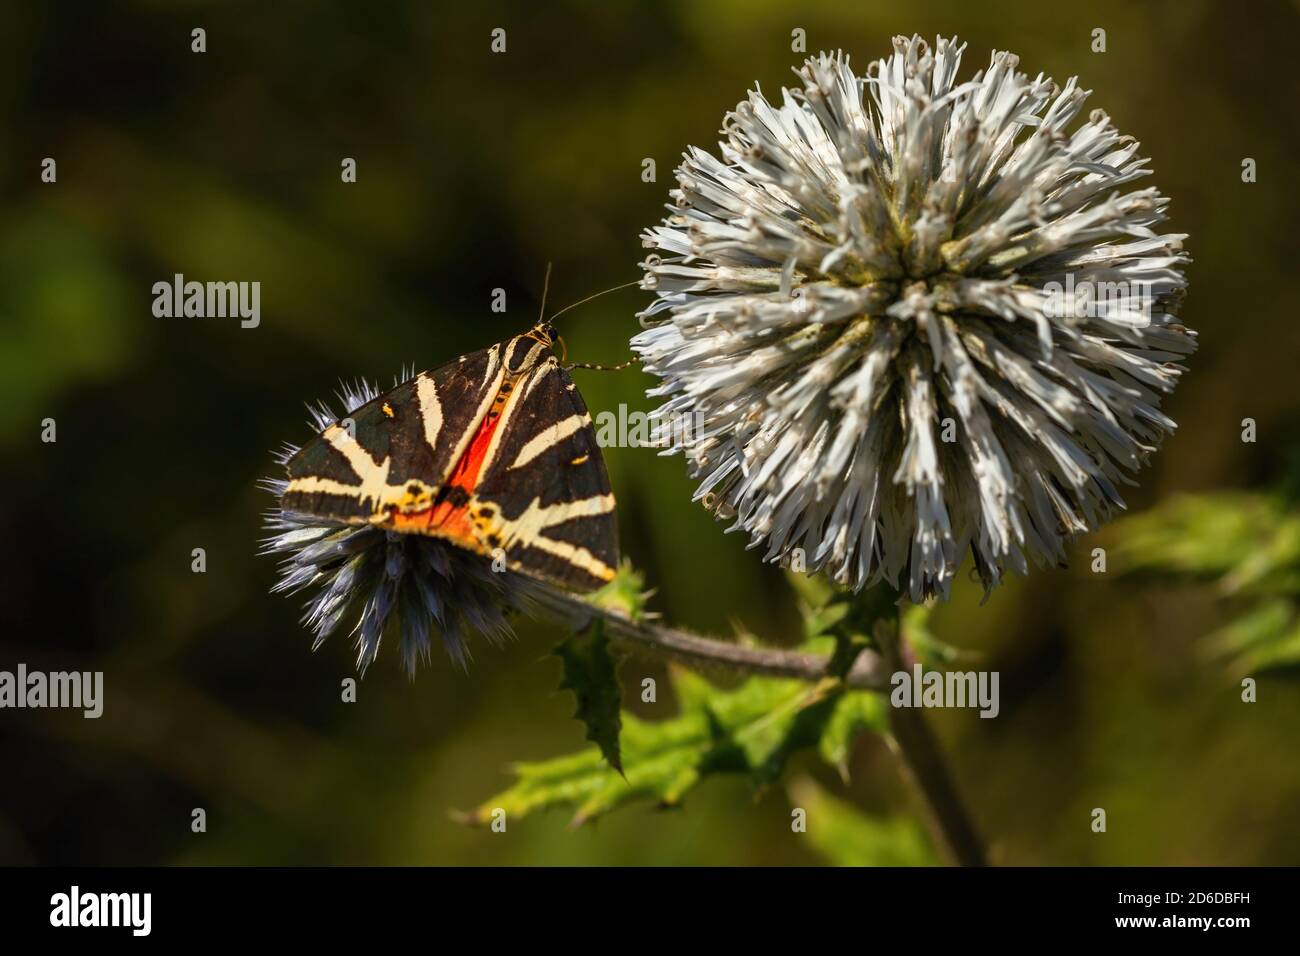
(921, 753)
(867, 672)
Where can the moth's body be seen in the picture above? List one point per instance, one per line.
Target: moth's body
(493, 452)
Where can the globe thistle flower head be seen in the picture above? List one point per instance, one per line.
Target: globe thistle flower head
(917, 317)
(381, 583)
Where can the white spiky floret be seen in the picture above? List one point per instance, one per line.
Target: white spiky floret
(917, 317)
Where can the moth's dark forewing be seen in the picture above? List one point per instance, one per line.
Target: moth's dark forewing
(493, 450)
(549, 473)
(414, 427)
(550, 427)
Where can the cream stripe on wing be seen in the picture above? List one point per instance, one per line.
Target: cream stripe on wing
(374, 490)
(374, 485)
(577, 556)
(528, 527)
(426, 391)
(490, 372)
(536, 517)
(359, 459)
(548, 437)
(311, 484)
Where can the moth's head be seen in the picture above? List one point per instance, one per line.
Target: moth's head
(525, 351)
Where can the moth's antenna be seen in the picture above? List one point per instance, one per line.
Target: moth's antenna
(606, 368)
(595, 296)
(589, 365)
(546, 287)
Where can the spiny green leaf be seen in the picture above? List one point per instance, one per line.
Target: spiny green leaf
(751, 730)
(848, 837)
(590, 671)
(1247, 546)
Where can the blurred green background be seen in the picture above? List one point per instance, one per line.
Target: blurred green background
(474, 171)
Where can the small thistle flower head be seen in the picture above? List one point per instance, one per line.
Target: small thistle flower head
(916, 316)
(379, 583)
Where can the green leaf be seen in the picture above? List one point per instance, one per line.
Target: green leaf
(590, 671)
(848, 837)
(1252, 540)
(812, 590)
(751, 730)
(929, 649)
(1246, 545)
(855, 714)
(1265, 638)
(846, 618)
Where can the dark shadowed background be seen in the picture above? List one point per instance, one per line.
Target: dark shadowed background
(474, 171)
